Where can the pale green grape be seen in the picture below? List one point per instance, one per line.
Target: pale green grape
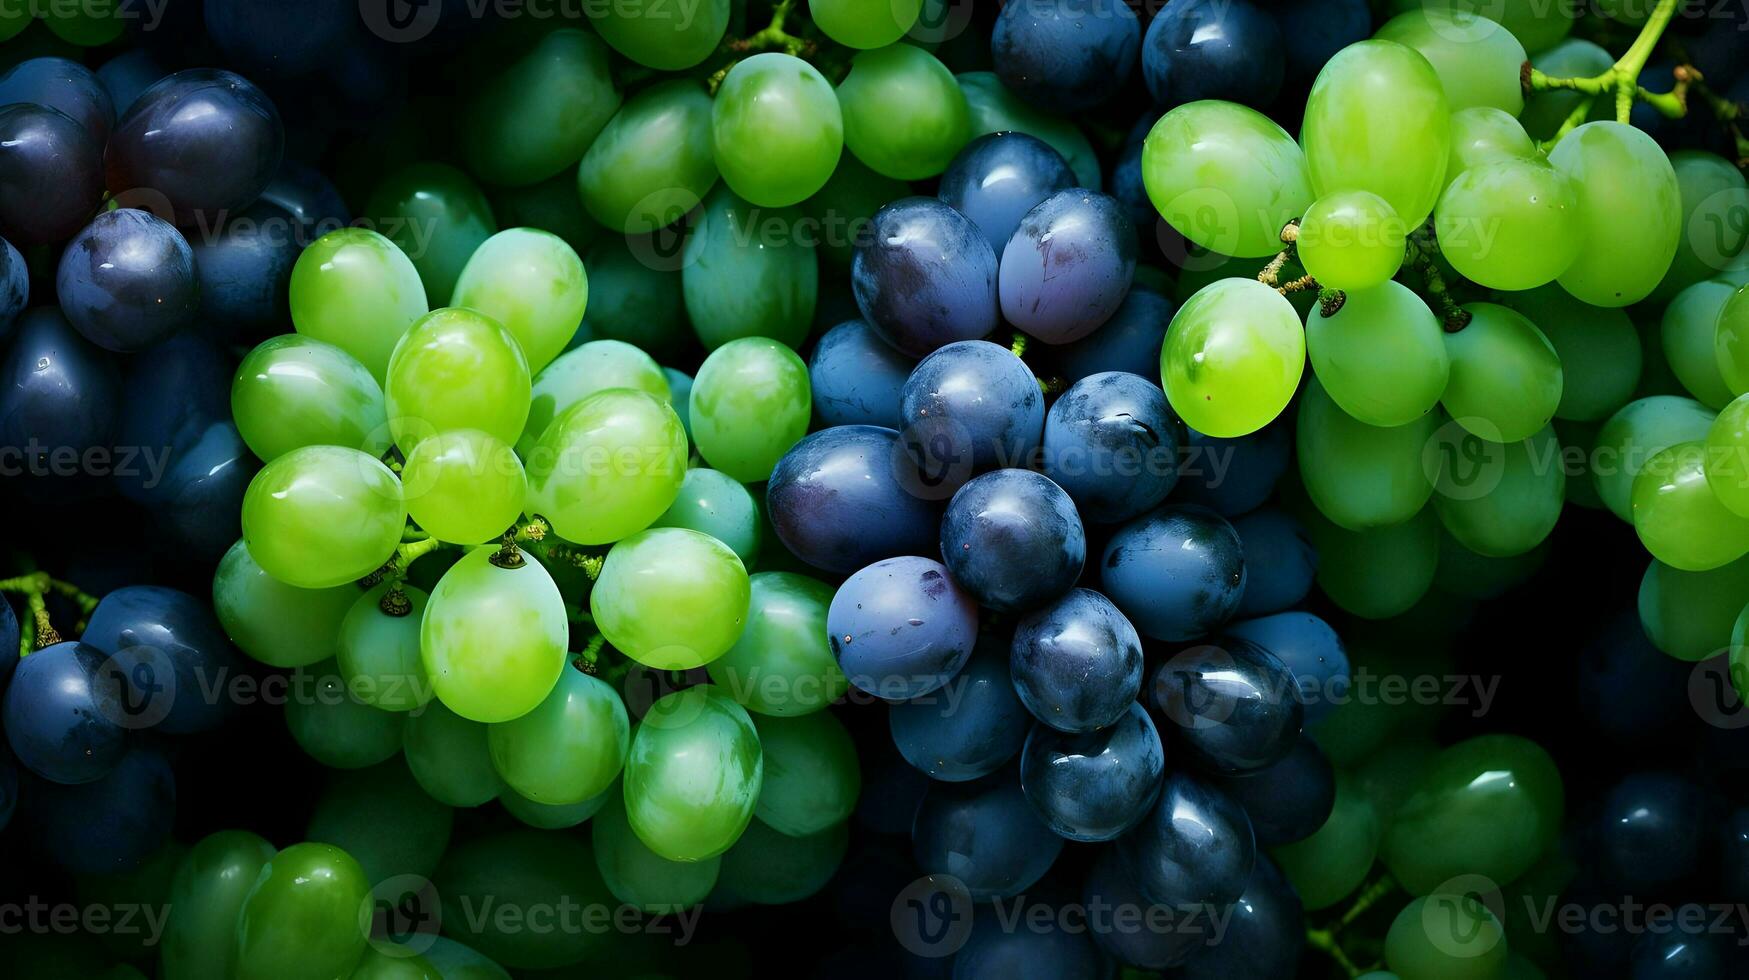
(777, 129)
(904, 115)
(1233, 356)
(493, 637)
(1544, 112)
(1689, 615)
(658, 34)
(811, 775)
(206, 893)
(300, 918)
(717, 504)
(671, 598)
(1226, 177)
(568, 749)
(1727, 457)
(354, 289)
(782, 664)
(1325, 867)
(464, 486)
(634, 301)
(321, 516)
(1379, 573)
(1446, 937)
(1731, 341)
(1715, 220)
(769, 868)
(1381, 357)
(543, 816)
(1483, 134)
(1636, 433)
(1500, 500)
(379, 652)
(1599, 351)
(438, 216)
(1505, 376)
(456, 369)
(1510, 224)
(1361, 476)
(531, 282)
(750, 403)
(637, 875)
(607, 466)
(1625, 182)
(579, 373)
(842, 209)
(748, 275)
(862, 24)
(1351, 240)
(278, 624)
(1679, 518)
(1377, 120)
(1688, 331)
(539, 878)
(334, 727)
(1477, 59)
(383, 819)
(693, 776)
(997, 110)
(447, 755)
(652, 164)
(533, 117)
(293, 391)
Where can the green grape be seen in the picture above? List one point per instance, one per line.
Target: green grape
(671, 598)
(1446, 937)
(1636, 433)
(579, 373)
(717, 504)
(1536, 24)
(1464, 572)
(694, 774)
(1351, 240)
(1679, 518)
(464, 486)
(1484, 134)
(640, 877)
(384, 819)
(1688, 331)
(14, 20)
(1624, 181)
(1544, 112)
(456, 369)
(447, 755)
(811, 774)
(301, 916)
(556, 816)
(1378, 573)
(739, 280)
(1477, 60)
(532, 876)
(333, 726)
(1727, 457)
(1381, 357)
(1416, 642)
(322, 516)
(904, 114)
(532, 117)
(666, 36)
(841, 210)
(379, 652)
(457, 962)
(1487, 806)
(607, 466)
(1329, 865)
(277, 624)
(294, 391)
(750, 403)
(207, 892)
(354, 289)
(652, 164)
(996, 110)
(860, 24)
(1233, 356)
(635, 301)
(1390, 773)
(89, 24)
(1500, 500)
(570, 748)
(777, 129)
(438, 217)
(145, 886)
(770, 868)
(1715, 220)
(1689, 615)
(1510, 224)
(494, 636)
(1598, 348)
(1731, 341)
(1377, 120)
(1226, 177)
(531, 282)
(679, 394)
(782, 664)
(1506, 378)
(1362, 476)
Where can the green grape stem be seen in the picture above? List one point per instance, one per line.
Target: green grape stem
(1290, 236)
(1423, 246)
(1729, 113)
(35, 587)
(588, 660)
(398, 564)
(1017, 346)
(1324, 941)
(1622, 80)
(772, 37)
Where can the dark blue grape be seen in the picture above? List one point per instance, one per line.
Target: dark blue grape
(174, 650)
(1213, 49)
(61, 713)
(244, 271)
(51, 175)
(1131, 928)
(1733, 855)
(1688, 947)
(1111, 443)
(1264, 933)
(1065, 56)
(1628, 690)
(14, 286)
(1310, 649)
(984, 833)
(997, 950)
(1177, 573)
(839, 500)
(969, 728)
(1319, 30)
(1129, 190)
(1280, 562)
(1289, 799)
(924, 276)
(1077, 663)
(900, 628)
(198, 513)
(1651, 831)
(1193, 849)
(1013, 540)
(172, 393)
(65, 85)
(1234, 476)
(110, 825)
(58, 391)
(272, 38)
(856, 377)
(1235, 708)
(309, 198)
(127, 281)
(1094, 786)
(999, 177)
(1068, 267)
(128, 74)
(1129, 341)
(968, 408)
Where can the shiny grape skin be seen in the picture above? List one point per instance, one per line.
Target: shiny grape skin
(107, 826)
(1094, 786)
(968, 408)
(175, 637)
(1013, 540)
(1280, 565)
(1289, 799)
(1310, 649)
(1077, 663)
(1235, 476)
(1157, 945)
(999, 177)
(856, 377)
(244, 271)
(56, 388)
(1068, 266)
(1213, 49)
(924, 276)
(985, 834)
(51, 175)
(126, 75)
(1111, 443)
(838, 500)
(1684, 953)
(1262, 939)
(1177, 573)
(900, 628)
(62, 713)
(1651, 832)
(67, 86)
(1129, 341)
(1194, 848)
(1234, 708)
(14, 286)
(1065, 58)
(202, 494)
(967, 737)
(127, 280)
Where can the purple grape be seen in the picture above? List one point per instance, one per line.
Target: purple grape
(1234, 708)
(985, 834)
(844, 497)
(856, 377)
(999, 177)
(971, 733)
(127, 281)
(968, 408)
(1177, 573)
(65, 85)
(1065, 56)
(1111, 443)
(1068, 266)
(901, 628)
(1130, 341)
(1077, 663)
(51, 175)
(1094, 786)
(1013, 540)
(924, 276)
(1213, 49)
(1195, 848)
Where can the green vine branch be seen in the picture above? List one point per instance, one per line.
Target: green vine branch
(1621, 82)
(39, 631)
(773, 37)
(1328, 940)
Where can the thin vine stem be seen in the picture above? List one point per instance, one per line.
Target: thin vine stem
(1621, 81)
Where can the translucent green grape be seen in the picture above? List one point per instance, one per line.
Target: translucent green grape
(1625, 182)
(769, 868)
(301, 916)
(1537, 25)
(996, 110)
(667, 36)
(531, 282)
(1389, 775)
(777, 129)
(1448, 936)
(1731, 341)
(321, 516)
(1544, 112)
(1598, 348)
(693, 776)
(278, 624)
(1483, 134)
(354, 289)
(1233, 356)
(1715, 220)
(653, 162)
(1689, 615)
(1500, 500)
(782, 664)
(533, 117)
(1377, 120)
(1477, 59)
(1381, 357)
(671, 598)
(207, 892)
(438, 216)
(1510, 224)
(379, 652)
(1329, 865)
(464, 486)
(579, 373)
(811, 774)
(544, 816)
(1687, 333)
(748, 275)
(1379, 573)
(1351, 240)
(525, 869)
(384, 820)
(857, 24)
(448, 756)
(1640, 430)
(456, 369)
(494, 637)
(1727, 457)
(750, 403)
(640, 877)
(1362, 476)
(568, 749)
(904, 114)
(1679, 518)
(717, 504)
(293, 391)
(1226, 177)
(333, 726)
(635, 301)
(607, 466)
(1505, 376)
